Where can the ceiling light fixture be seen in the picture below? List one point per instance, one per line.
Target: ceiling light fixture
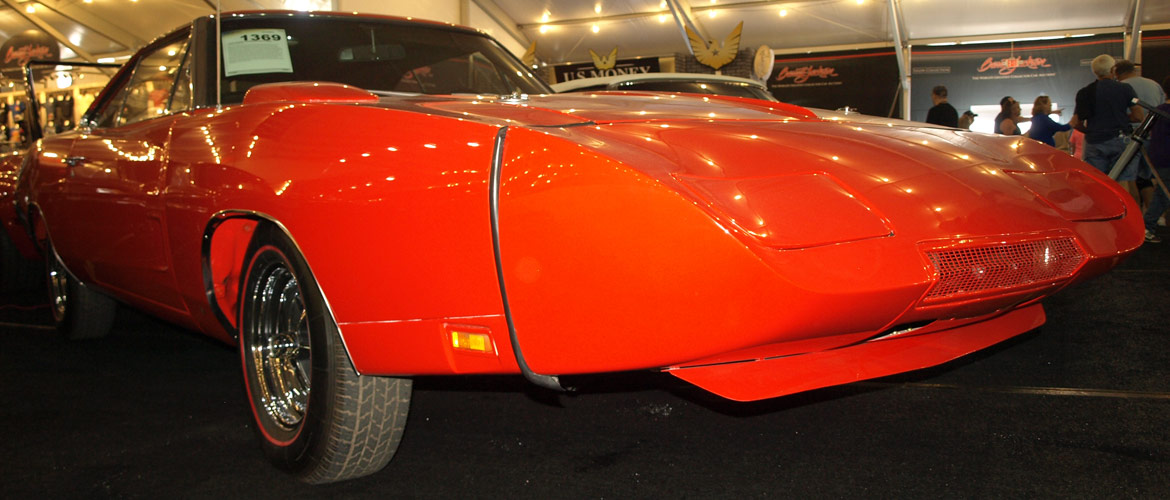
(64, 79)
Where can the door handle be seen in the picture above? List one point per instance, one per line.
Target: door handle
(74, 161)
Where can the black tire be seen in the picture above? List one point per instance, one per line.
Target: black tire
(17, 274)
(315, 416)
(79, 312)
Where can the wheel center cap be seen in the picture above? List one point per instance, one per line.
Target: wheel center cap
(284, 346)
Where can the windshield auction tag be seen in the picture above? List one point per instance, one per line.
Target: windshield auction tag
(247, 52)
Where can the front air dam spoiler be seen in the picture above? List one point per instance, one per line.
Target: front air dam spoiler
(763, 378)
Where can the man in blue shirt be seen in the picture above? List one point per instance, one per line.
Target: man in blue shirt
(1103, 113)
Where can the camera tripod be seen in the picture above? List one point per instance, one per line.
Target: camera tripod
(1139, 137)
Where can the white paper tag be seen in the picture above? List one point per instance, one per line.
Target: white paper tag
(247, 52)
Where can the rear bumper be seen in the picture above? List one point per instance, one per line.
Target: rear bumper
(762, 376)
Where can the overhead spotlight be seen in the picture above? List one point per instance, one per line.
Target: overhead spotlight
(64, 80)
(597, 8)
(596, 28)
(783, 12)
(543, 28)
(31, 9)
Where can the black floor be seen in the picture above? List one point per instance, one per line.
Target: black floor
(1079, 408)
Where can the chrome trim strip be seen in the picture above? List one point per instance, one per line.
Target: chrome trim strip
(546, 381)
(208, 287)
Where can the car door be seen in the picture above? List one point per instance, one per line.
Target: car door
(115, 177)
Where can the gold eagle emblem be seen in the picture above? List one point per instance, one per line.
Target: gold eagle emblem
(604, 62)
(710, 54)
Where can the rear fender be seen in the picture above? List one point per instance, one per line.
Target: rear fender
(225, 246)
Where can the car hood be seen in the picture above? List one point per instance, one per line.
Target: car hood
(561, 110)
(738, 154)
(694, 131)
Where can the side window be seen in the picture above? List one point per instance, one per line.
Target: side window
(181, 98)
(149, 90)
(109, 110)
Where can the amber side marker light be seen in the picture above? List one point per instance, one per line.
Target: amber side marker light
(474, 342)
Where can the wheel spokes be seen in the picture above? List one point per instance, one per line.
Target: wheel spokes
(58, 286)
(280, 347)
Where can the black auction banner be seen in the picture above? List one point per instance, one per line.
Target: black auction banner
(20, 49)
(634, 66)
(1156, 55)
(866, 80)
(978, 76)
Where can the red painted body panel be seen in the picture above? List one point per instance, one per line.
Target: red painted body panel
(307, 92)
(635, 231)
(771, 375)
(683, 239)
(9, 172)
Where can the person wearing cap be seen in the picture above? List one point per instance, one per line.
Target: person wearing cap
(942, 113)
(1044, 127)
(966, 120)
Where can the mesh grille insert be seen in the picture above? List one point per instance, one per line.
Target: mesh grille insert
(1002, 267)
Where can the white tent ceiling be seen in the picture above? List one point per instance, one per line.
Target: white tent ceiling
(564, 29)
(646, 27)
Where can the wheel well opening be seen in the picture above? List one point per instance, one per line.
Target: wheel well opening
(225, 247)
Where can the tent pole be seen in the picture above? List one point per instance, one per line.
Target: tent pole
(1133, 30)
(901, 51)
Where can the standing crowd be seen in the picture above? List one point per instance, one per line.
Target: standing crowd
(1100, 130)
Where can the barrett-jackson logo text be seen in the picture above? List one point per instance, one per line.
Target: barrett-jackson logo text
(803, 73)
(26, 53)
(1010, 65)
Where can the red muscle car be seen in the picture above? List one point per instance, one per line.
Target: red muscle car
(354, 200)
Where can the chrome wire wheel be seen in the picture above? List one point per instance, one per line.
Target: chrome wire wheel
(79, 312)
(279, 346)
(347, 425)
(58, 286)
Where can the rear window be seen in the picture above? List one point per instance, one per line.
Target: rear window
(375, 55)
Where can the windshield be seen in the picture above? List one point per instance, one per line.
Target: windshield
(736, 89)
(376, 55)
